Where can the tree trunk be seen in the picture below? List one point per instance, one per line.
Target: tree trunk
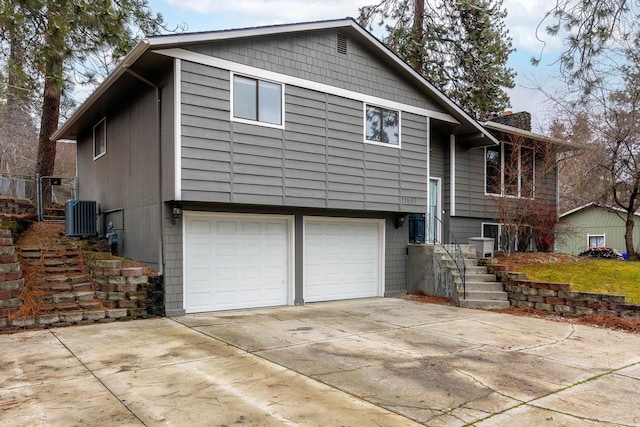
(418, 33)
(53, 81)
(628, 237)
(48, 125)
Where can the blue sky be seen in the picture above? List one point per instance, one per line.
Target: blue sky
(522, 20)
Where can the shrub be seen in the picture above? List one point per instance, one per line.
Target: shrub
(601, 252)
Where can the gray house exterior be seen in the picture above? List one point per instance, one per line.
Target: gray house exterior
(276, 165)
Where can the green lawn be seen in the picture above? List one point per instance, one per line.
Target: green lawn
(589, 275)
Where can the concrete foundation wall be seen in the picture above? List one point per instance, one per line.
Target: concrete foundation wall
(420, 271)
(427, 273)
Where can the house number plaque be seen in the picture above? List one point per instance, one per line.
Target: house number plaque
(408, 200)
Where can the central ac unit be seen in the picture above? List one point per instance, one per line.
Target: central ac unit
(80, 218)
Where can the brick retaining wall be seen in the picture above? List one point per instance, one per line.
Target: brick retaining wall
(558, 298)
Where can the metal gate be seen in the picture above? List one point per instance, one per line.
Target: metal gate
(51, 194)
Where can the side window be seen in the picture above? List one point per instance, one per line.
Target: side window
(257, 100)
(527, 167)
(100, 139)
(382, 125)
(493, 171)
(596, 240)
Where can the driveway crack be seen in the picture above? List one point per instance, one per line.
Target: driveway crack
(133, 414)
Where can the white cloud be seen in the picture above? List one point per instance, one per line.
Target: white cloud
(523, 20)
(260, 12)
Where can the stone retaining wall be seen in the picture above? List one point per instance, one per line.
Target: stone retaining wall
(11, 281)
(126, 288)
(121, 293)
(558, 298)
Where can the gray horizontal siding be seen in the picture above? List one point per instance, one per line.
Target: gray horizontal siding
(313, 56)
(318, 160)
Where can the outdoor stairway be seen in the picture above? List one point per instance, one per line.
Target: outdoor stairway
(483, 290)
(60, 281)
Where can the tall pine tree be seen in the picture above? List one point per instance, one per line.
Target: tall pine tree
(60, 34)
(461, 46)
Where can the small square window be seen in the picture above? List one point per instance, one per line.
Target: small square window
(257, 100)
(382, 125)
(100, 139)
(596, 240)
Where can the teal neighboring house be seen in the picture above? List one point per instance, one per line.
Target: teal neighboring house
(594, 225)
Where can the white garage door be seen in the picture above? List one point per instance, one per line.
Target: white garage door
(236, 261)
(342, 258)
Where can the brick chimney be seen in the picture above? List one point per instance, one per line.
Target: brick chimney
(521, 120)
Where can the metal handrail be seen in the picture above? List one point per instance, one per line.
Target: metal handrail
(457, 257)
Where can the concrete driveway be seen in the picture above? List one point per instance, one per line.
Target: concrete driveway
(381, 362)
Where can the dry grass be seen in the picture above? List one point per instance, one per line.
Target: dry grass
(584, 274)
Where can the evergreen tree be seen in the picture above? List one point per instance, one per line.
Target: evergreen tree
(597, 36)
(58, 35)
(461, 46)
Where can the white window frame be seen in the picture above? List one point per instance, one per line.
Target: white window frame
(502, 174)
(364, 127)
(102, 122)
(604, 240)
(257, 122)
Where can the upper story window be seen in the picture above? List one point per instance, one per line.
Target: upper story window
(100, 139)
(382, 125)
(257, 101)
(509, 171)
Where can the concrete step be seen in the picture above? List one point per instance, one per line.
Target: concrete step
(482, 287)
(484, 295)
(75, 296)
(476, 269)
(484, 304)
(467, 252)
(60, 270)
(475, 277)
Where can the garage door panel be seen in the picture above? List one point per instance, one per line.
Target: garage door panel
(241, 263)
(198, 227)
(342, 258)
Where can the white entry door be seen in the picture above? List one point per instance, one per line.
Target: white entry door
(434, 217)
(235, 261)
(343, 258)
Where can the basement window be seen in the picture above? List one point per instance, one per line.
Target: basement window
(100, 139)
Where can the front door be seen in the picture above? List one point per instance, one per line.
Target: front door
(433, 211)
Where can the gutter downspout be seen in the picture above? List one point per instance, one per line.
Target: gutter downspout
(158, 130)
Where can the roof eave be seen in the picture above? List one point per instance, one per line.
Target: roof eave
(531, 135)
(594, 205)
(207, 36)
(64, 131)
